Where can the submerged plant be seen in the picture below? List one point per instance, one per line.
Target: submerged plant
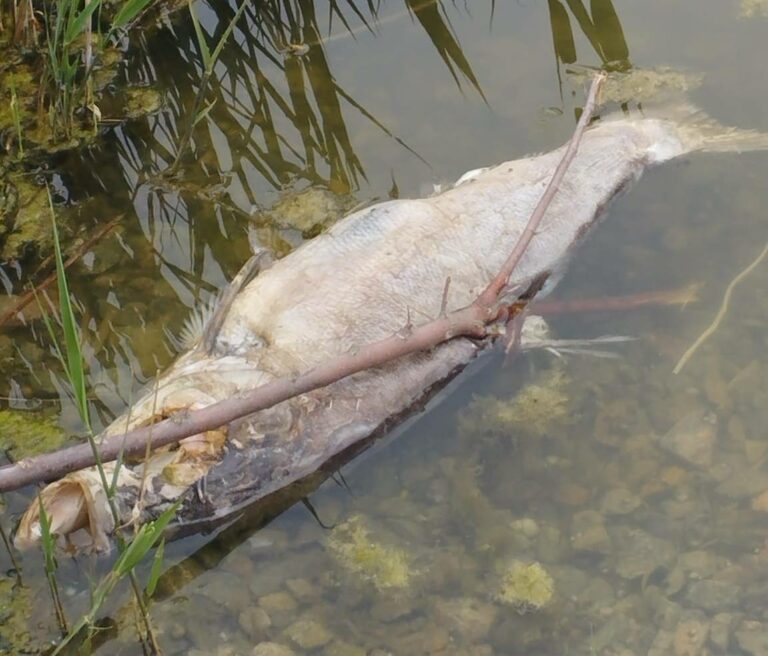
(352, 546)
(526, 587)
(536, 409)
(24, 433)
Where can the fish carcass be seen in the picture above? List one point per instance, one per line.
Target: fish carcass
(359, 282)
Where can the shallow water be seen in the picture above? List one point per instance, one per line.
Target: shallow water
(637, 490)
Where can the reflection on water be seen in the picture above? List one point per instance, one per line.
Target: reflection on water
(642, 495)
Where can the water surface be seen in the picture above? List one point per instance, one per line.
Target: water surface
(637, 490)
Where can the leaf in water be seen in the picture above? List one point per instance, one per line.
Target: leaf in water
(582, 17)
(435, 25)
(562, 34)
(610, 32)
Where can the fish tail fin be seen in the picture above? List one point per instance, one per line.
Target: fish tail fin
(699, 131)
(734, 140)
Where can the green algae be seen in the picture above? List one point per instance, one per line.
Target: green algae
(29, 433)
(384, 566)
(537, 409)
(141, 101)
(526, 587)
(310, 210)
(642, 84)
(26, 217)
(753, 8)
(15, 610)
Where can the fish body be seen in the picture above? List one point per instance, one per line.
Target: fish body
(370, 276)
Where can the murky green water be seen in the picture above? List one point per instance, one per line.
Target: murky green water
(641, 493)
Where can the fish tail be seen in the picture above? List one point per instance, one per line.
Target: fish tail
(734, 140)
(699, 131)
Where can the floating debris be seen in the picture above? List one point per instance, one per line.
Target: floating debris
(385, 567)
(526, 587)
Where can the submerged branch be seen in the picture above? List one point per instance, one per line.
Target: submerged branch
(712, 328)
(471, 321)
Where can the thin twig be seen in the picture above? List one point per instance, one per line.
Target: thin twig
(712, 328)
(498, 284)
(471, 321)
(681, 296)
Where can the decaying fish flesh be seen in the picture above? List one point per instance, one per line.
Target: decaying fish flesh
(361, 281)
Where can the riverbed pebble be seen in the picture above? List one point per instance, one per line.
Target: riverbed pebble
(308, 634)
(272, 649)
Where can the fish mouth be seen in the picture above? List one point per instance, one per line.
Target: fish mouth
(82, 517)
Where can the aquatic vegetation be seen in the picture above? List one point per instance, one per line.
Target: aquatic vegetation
(751, 8)
(25, 433)
(354, 549)
(141, 101)
(310, 210)
(16, 608)
(640, 85)
(50, 92)
(526, 587)
(537, 409)
(26, 224)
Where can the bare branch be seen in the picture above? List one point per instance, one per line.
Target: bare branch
(497, 285)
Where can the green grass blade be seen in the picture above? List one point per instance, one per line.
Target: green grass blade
(77, 25)
(222, 41)
(157, 568)
(144, 539)
(128, 13)
(201, 38)
(74, 361)
(46, 539)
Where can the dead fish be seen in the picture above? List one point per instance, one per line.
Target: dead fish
(363, 280)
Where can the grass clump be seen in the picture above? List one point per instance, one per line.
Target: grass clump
(386, 567)
(526, 587)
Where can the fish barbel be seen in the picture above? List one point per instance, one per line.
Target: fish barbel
(370, 275)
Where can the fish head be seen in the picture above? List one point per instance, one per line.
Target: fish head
(79, 513)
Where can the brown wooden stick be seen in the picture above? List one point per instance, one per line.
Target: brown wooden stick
(471, 321)
(681, 296)
(498, 284)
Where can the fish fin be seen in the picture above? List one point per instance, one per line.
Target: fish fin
(256, 264)
(194, 326)
(699, 131)
(204, 322)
